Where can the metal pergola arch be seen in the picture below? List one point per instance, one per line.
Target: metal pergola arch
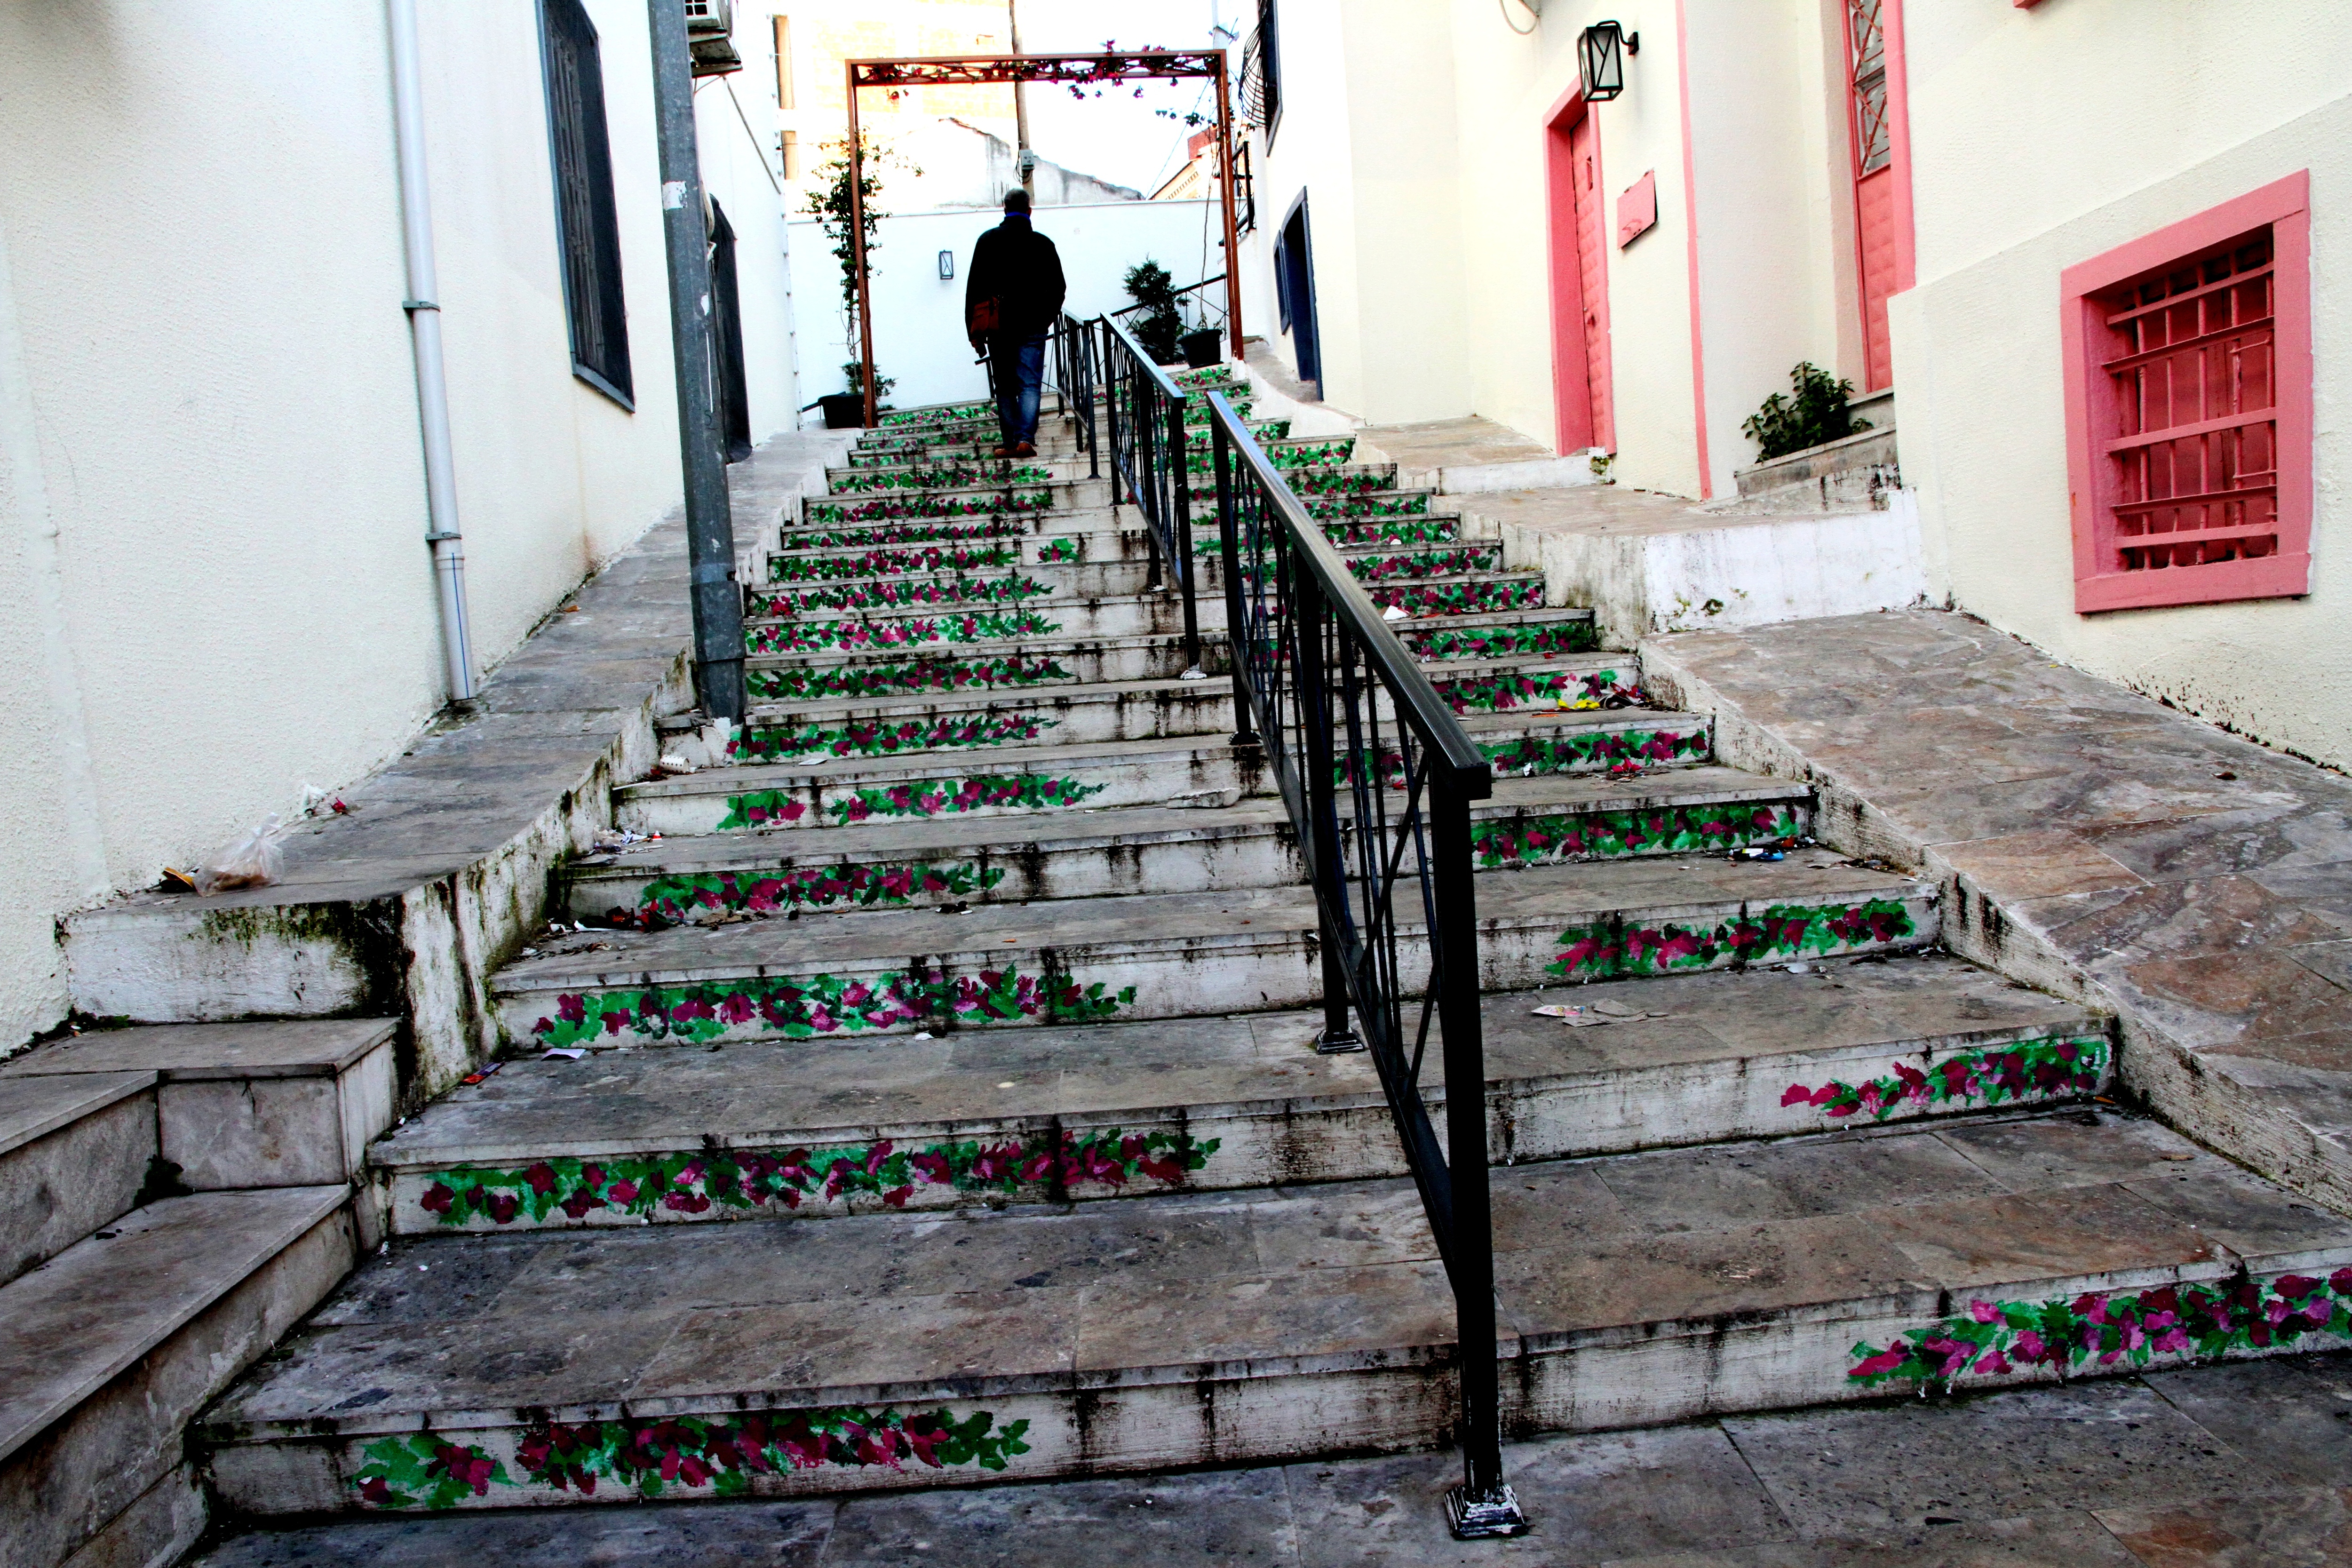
(1073, 70)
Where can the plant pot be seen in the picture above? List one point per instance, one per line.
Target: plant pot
(1201, 349)
(843, 410)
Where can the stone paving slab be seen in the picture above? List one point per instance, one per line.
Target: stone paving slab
(194, 1053)
(2198, 885)
(2147, 1472)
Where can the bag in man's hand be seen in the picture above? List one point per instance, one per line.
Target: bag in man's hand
(987, 316)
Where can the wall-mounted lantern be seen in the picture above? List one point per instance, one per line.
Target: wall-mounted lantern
(947, 265)
(1600, 51)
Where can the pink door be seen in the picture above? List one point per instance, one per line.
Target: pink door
(1579, 283)
(1873, 183)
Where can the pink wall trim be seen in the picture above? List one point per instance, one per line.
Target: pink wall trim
(2285, 205)
(1690, 238)
(1574, 419)
(1898, 120)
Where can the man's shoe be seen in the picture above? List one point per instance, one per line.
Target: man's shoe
(1001, 451)
(1024, 450)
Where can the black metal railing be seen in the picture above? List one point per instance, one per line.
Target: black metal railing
(1075, 378)
(1146, 413)
(1378, 775)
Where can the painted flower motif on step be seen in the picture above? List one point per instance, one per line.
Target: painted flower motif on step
(1583, 751)
(801, 1008)
(891, 593)
(1548, 688)
(904, 677)
(1344, 481)
(847, 634)
(951, 797)
(887, 884)
(1608, 835)
(891, 563)
(745, 1180)
(1612, 948)
(425, 1470)
(869, 738)
(902, 418)
(1412, 504)
(1011, 500)
(1520, 640)
(1061, 549)
(762, 808)
(1404, 565)
(1460, 596)
(862, 536)
(1992, 1075)
(2100, 1330)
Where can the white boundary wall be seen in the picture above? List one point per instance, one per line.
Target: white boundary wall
(213, 583)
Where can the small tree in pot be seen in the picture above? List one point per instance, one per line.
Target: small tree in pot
(1813, 413)
(1159, 321)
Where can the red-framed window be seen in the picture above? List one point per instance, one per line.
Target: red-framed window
(2188, 408)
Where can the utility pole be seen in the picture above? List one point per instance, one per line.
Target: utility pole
(1023, 160)
(718, 599)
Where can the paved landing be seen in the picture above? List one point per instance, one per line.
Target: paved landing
(2223, 1466)
(2201, 883)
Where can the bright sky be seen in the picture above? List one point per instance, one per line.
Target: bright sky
(1116, 137)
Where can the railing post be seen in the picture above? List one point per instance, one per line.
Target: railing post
(1484, 1505)
(1319, 761)
(1110, 407)
(1180, 497)
(1229, 555)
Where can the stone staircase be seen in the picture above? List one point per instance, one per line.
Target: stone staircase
(984, 977)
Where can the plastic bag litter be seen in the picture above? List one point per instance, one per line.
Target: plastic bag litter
(256, 860)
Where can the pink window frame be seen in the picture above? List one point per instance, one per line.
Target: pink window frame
(1574, 419)
(2285, 207)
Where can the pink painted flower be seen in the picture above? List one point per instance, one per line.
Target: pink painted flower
(1984, 1312)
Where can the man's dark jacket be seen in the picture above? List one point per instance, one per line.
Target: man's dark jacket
(1015, 264)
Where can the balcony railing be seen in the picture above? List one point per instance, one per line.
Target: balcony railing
(1379, 777)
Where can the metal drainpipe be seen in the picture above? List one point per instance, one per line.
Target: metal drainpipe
(424, 335)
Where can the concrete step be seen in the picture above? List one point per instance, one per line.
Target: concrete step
(1029, 779)
(75, 1153)
(1165, 955)
(263, 1104)
(982, 498)
(625, 1136)
(817, 622)
(879, 479)
(111, 1348)
(1522, 739)
(1212, 1328)
(1150, 849)
(1006, 665)
(993, 752)
(911, 583)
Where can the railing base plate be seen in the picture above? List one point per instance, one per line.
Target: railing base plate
(1327, 1044)
(1485, 1518)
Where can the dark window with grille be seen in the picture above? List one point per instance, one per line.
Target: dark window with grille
(1270, 68)
(587, 228)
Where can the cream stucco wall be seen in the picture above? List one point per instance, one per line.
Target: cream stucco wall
(214, 586)
(2108, 120)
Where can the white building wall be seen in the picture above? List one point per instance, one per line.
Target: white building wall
(2043, 138)
(918, 328)
(213, 584)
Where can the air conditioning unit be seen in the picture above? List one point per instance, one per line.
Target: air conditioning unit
(709, 24)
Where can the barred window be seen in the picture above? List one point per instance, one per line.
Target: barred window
(587, 226)
(2191, 413)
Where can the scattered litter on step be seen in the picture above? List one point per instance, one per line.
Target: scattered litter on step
(954, 909)
(2225, 776)
(620, 838)
(1574, 1018)
(1623, 1013)
(920, 1034)
(2188, 1155)
(677, 763)
(563, 1053)
(1008, 1083)
(577, 925)
(1760, 854)
(486, 1072)
(1195, 673)
(176, 881)
(531, 952)
(1394, 614)
(1800, 969)
(256, 860)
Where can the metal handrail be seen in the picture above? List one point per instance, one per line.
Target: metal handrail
(1146, 411)
(1339, 705)
(1075, 381)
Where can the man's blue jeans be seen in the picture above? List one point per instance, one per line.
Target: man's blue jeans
(1020, 368)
